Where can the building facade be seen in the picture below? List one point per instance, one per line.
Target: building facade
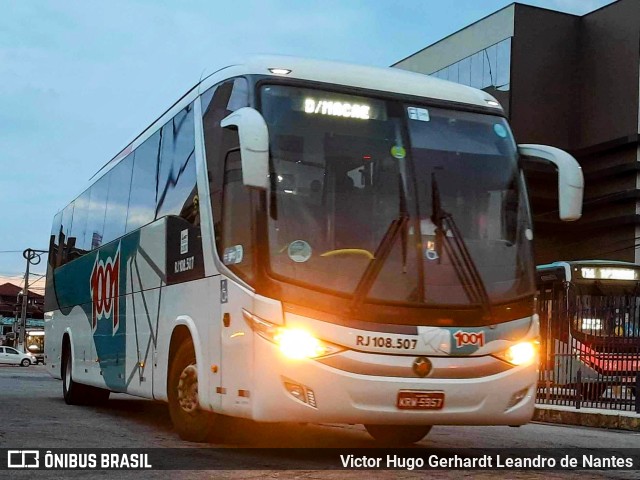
(572, 82)
(10, 309)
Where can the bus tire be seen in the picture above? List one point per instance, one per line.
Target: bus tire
(73, 393)
(192, 423)
(398, 434)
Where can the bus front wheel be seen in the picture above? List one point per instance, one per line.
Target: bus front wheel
(398, 434)
(192, 423)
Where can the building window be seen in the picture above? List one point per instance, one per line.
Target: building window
(489, 70)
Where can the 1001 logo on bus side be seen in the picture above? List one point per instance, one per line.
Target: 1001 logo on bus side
(105, 290)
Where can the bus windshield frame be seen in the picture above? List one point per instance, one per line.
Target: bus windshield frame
(398, 149)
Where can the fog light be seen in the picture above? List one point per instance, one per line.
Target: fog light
(517, 397)
(523, 353)
(297, 391)
(301, 393)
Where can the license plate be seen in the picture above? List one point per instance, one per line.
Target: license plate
(417, 400)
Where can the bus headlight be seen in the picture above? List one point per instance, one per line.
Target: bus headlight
(523, 353)
(294, 343)
(297, 344)
(591, 324)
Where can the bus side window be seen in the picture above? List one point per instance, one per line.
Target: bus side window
(78, 228)
(115, 219)
(176, 188)
(65, 243)
(95, 216)
(54, 241)
(142, 199)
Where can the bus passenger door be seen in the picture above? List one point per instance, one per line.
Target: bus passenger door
(232, 205)
(237, 245)
(546, 310)
(552, 314)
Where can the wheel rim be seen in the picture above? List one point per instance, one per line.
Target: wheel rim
(188, 389)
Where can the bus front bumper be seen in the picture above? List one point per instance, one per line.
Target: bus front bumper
(309, 391)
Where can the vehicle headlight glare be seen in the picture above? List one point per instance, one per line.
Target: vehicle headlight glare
(523, 353)
(297, 344)
(591, 324)
(294, 343)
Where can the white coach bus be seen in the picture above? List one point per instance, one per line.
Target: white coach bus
(308, 241)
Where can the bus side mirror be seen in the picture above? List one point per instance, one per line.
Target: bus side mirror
(570, 178)
(254, 145)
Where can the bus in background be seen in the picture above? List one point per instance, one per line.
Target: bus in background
(308, 241)
(590, 323)
(34, 343)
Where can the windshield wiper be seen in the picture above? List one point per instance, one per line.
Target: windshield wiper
(380, 256)
(458, 252)
(398, 226)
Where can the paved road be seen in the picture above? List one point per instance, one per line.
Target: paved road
(33, 414)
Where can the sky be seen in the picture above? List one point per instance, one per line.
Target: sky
(80, 79)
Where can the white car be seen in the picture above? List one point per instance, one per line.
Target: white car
(13, 357)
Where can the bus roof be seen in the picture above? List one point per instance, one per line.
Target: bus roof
(383, 79)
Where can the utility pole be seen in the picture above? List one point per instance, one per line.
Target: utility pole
(33, 257)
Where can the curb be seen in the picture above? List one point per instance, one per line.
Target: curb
(587, 417)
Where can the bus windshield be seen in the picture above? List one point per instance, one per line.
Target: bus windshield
(34, 341)
(605, 310)
(360, 188)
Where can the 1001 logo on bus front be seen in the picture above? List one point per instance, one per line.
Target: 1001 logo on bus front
(105, 279)
(468, 338)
